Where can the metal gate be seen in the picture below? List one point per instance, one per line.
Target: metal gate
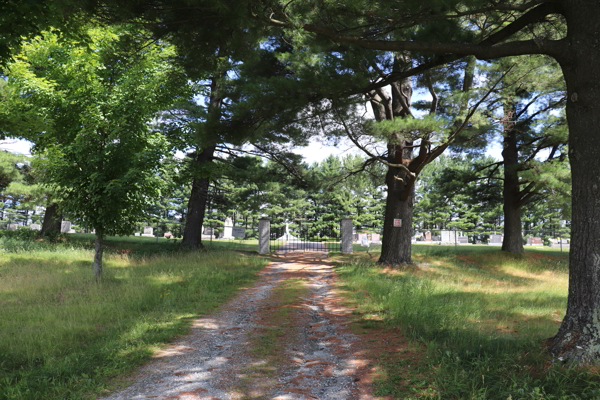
(305, 236)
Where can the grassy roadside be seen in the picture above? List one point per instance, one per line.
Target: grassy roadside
(477, 319)
(63, 336)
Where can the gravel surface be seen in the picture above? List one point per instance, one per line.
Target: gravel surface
(212, 361)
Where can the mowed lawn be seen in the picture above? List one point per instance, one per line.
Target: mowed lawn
(476, 319)
(64, 336)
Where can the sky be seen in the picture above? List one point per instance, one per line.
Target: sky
(314, 152)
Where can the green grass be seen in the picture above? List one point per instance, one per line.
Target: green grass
(64, 336)
(140, 245)
(480, 315)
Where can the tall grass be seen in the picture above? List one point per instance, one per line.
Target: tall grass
(482, 316)
(63, 335)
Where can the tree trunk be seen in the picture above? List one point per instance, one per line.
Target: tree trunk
(513, 236)
(52, 221)
(396, 248)
(99, 253)
(579, 334)
(192, 234)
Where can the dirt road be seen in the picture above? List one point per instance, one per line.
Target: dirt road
(285, 337)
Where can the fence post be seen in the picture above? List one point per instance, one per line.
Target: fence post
(264, 235)
(346, 230)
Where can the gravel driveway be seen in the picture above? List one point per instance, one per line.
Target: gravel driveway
(215, 361)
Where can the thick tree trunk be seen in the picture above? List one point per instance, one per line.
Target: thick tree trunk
(99, 253)
(579, 335)
(192, 234)
(396, 248)
(52, 221)
(513, 236)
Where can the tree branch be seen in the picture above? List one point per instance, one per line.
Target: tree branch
(486, 49)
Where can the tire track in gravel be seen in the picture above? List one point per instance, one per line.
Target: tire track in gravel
(212, 361)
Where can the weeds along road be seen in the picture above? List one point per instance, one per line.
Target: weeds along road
(285, 337)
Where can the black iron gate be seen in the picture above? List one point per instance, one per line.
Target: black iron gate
(305, 236)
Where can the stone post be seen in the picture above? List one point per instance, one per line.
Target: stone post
(346, 229)
(264, 235)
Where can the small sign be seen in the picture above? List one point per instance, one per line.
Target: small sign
(397, 223)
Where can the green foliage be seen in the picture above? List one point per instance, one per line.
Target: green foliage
(100, 151)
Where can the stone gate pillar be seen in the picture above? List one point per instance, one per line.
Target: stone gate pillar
(346, 229)
(264, 234)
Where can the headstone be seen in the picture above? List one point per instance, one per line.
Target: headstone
(138, 234)
(496, 240)
(168, 235)
(362, 237)
(534, 241)
(428, 236)
(228, 229)
(462, 240)
(436, 238)
(564, 243)
(355, 237)
(35, 227)
(13, 227)
(148, 231)
(238, 232)
(447, 237)
(364, 240)
(376, 238)
(65, 226)
(208, 231)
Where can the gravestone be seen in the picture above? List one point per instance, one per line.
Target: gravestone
(148, 231)
(428, 236)
(13, 227)
(208, 231)
(238, 232)
(376, 238)
(138, 234)
(564, 243)
(535, 241)
(364, 240)
(355, 237)
(496, 240)
(35, 227)
(228, 229)
(436, 238)
(462, 240)
(65, 226)
(168, 235)
(447, 237)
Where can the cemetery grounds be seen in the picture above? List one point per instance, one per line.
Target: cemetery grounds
(461, 323)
